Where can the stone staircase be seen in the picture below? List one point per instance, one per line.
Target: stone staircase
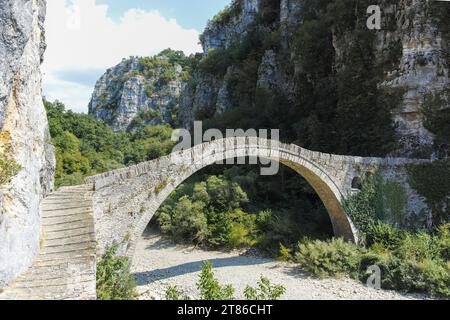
(64, 267)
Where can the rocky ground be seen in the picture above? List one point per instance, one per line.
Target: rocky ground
(159, 263)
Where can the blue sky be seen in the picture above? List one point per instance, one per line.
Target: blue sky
(189, 13)
(85, 37)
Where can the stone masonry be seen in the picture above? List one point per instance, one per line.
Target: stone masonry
(125, 200)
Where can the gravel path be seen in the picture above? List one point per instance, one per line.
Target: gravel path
(159, 263)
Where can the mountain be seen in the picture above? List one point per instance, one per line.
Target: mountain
(140, 91)
(342, 87)
(310, 68)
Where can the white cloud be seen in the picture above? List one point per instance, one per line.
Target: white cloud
(80, 36)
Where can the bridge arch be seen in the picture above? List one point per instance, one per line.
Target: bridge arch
(162, 176)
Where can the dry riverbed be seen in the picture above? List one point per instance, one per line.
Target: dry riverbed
(159, 263)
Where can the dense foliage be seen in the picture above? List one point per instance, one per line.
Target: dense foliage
(231, 209)
(85, 146)
(114, 279)
(379, 200)
(409, 262)
(338, 105)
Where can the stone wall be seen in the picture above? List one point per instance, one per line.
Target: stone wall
(24, 135)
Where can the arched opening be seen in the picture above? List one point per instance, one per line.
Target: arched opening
(224, 208)
(240, 190)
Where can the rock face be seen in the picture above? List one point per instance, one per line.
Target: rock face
(138, 91)
(24, 134)
(422, 68)
(231, 23)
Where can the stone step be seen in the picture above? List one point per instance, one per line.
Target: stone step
(65, 212)
(68, 256)
(50, 272)
(65, 201)
(87, 237)
(56, 280)
(66, 206)
(66, 248)
(55, 235)
(67, 227)
(65, 265)
(55, 220)
(52, 292)
(59, 263)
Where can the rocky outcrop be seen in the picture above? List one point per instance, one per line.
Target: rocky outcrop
(138, 91)
(24, 135)
(229, 24)
(424, 68)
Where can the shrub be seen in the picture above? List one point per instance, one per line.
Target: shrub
(264, 291)
(378, 201)
(8, 169)
(114, 280)
(173, 293)
(333, 258)
(211, 289)
(238, 236)
(216, 62)
(443, 241)
(384, 234)
(418, 247)
(184, 222)
(209, 286)
(427, 276)
(285, 254)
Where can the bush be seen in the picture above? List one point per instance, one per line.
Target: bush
(384, 234)
(443, 241)
(173, 293)
(114, 280)
(427, 276)
(8, 169)
(333, 258)
(264, 291)
(216, 62)
(184, 222)
(285, 254)
(209, 286)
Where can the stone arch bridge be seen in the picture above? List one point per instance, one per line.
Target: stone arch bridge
(78, 223)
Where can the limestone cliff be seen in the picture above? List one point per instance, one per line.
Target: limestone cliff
(412, 49)
(24, 134)
(139, 91)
